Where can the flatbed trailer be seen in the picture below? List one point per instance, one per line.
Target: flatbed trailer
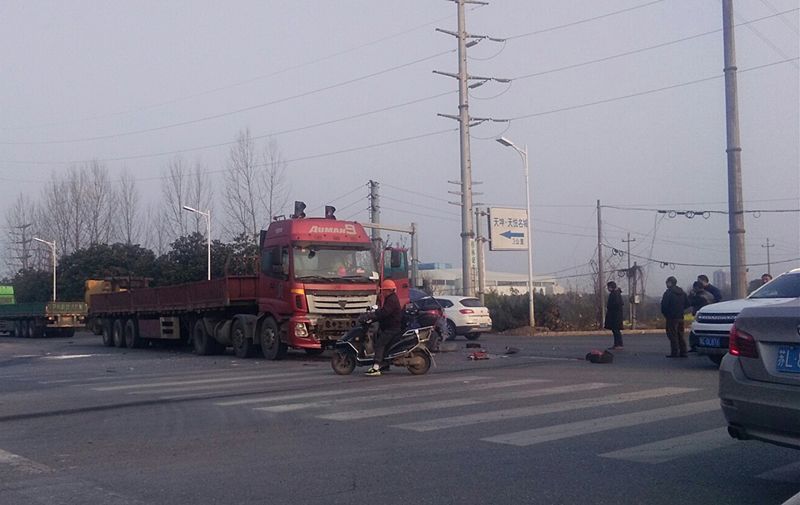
(40, 319)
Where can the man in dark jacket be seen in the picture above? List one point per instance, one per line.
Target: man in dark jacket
(699, 297)
(715, 292)
(614, 315)
(389, 318)
(673, 304)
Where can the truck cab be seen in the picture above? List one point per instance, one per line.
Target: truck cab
(317, 275)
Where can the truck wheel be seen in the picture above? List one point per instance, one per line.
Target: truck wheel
(270, 339)
(28, 328)
(36, 330)
(422, 363)
(204, 344)
(119, 333)
(68, 332)
(242, 347)
(107, 332)
(132, 340)
(343, 362)
(18, 329)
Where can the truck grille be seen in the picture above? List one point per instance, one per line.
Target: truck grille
(339, 303)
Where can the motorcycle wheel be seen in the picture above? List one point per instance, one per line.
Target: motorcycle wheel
(423, 363)
(343, 362)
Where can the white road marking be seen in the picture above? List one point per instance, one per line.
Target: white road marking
(418, 407)
(22, 464)
(287, 407)
(536, 410)
(195, 381)
(540, 435)
(674, 448)
(357, 390)
(279, 379)
(70, 356)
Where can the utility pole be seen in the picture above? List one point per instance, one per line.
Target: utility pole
(600, 279)
(734, 151)
(414, 256)
(634, 295)
(768, 247)
(24, 242)
(631, 310)
(375, 214)
(479, 241)
(464, 122)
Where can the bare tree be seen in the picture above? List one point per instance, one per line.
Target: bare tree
(200, 194)
(175, 191)
(59, 216)
(97, 195)
(129, 225)
(242, 202)
(20, 229)
(275, 186)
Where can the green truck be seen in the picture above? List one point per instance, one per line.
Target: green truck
(39, 319)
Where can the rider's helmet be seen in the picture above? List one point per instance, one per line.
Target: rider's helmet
(388, 285)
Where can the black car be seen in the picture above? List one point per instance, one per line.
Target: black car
(428, 312)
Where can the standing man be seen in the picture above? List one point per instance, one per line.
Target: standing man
(710, 288)
(389, 318)
(614, 315)
(765, 278)
(673, 304)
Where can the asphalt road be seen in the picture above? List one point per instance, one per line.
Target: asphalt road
(85, 424)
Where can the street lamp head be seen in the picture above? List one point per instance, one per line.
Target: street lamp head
(190, 209)
(506, 142)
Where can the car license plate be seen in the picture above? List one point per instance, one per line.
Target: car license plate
(708, 341)
(788, 359)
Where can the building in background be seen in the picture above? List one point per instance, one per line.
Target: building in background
(722, 280)
(443, 279)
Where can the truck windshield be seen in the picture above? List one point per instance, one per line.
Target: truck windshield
(321, 264)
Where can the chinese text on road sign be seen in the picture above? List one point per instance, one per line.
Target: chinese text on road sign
(508, 229)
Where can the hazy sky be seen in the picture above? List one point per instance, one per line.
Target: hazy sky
(636, 126)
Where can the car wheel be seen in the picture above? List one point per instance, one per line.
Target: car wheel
(451, 330)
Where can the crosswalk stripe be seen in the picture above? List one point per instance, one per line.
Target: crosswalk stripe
(788, 473)
(418, 407)
(267, 381)
(560, 431)
(358, 390)
(198, 381)
(288, 407)
(674, 448)
(398, 409)
(499, 415)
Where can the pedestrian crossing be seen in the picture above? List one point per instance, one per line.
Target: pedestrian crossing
(454, 402)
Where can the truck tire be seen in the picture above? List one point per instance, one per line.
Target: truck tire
(204, 343)
(68, 332)
(119, 333)
(18, 330)
(242, 346)
(28, 328)
(270, 339)
(107, 332)
(131, 332)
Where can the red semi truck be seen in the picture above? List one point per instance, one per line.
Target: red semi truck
(316, 276)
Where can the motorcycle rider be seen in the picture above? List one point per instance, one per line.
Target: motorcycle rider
(389, 318)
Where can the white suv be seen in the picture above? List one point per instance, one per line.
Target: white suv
(465, 316)
(712, 324)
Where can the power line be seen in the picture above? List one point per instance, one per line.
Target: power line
(581, 21)
(675, 263)
(234, 85)
(236, 111)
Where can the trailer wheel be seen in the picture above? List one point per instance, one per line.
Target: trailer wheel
(28, 325)
(242, 347)
(18, 330)
(132, 339)
(119, 333)
(204, 344)
(107, 332)
(270, 339)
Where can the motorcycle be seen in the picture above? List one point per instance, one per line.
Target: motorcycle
(355, 348)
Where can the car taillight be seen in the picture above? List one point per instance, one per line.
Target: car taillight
(467, 311)
(742, 344)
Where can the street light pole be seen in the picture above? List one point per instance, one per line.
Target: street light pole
(524, 154)
(53, 247)
(207, 215)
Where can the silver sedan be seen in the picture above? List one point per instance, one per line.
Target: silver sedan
(759, 379)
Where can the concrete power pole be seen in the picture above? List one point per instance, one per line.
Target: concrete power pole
(768, 246)
(600, 280)
(628, 274)
(479, 241)
(375, 214)
(734, 150)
